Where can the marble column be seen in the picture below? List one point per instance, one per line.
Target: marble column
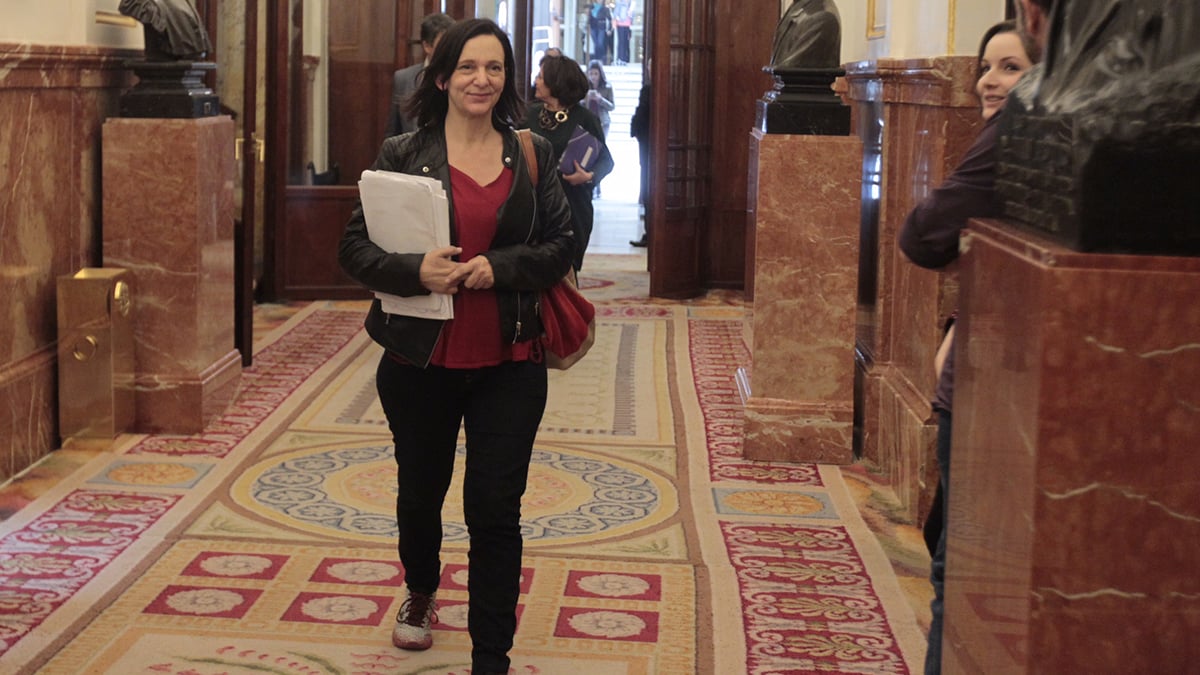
(168, 219)
(799, 398)
(1075, 511)
(52, 103)
(916, 117)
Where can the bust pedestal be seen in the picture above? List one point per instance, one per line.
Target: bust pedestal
(803, 102)
(170, 89)
(799, 397)
(1074, 509)
(168, 219)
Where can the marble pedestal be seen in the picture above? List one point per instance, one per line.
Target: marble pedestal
(799, 396)
(168, 219)
(1075, 501)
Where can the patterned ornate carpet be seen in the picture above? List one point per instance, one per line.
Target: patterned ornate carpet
(266, 545)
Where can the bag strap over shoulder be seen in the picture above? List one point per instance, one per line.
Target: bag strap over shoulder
(526, 138)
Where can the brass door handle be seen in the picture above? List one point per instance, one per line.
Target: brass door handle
(85, 348)
(260, 149)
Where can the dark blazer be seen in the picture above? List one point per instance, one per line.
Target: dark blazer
(531, 251)
(404, 83)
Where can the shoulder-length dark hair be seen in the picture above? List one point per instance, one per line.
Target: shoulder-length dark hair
(1000, 29)
(429, 103)
(565, 79)
(598, 67)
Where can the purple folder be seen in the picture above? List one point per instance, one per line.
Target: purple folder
(583, 148)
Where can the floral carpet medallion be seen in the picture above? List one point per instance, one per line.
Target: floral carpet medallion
(572, 496)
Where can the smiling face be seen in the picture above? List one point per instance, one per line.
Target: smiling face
(1004, 61)
(478, 78)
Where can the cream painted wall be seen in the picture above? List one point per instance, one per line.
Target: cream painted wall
(916, 28)
(971, 24)
(913, 28)
(64, 22)
(854, 29)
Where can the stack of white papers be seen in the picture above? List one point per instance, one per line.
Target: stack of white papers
(407, 214)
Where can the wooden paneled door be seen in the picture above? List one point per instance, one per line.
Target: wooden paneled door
(680, 63)
(329, 79)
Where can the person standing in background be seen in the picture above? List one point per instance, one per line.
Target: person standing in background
(599, 100)
(560, 88)
(600, 27)
(639, 128)
(623, 19)
(600, 95)
(405, 80)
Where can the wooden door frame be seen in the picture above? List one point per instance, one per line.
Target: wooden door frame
(674, 233)
(243, 231)
(243, 262)
(275, 182)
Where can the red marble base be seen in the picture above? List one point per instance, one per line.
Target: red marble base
(805, 192)
(186, 405)
(168, 219)
(1075, 503)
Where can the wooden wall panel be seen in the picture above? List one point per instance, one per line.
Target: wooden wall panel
(362, 47)
(359, 96)
(302, 223)
(739, 81)
(681, 138)
(316, 217)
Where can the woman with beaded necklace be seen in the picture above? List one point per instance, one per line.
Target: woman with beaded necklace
(559, 89)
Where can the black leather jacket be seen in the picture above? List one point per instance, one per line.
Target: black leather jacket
(531, 251)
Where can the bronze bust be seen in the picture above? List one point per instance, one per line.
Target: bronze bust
(809, 35)
(1100, 144)
(173, 29)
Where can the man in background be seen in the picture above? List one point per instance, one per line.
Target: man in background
(404, 81)
(639, 128)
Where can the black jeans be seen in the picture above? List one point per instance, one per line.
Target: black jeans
(501, 407)
(599, 46)
(623, 35)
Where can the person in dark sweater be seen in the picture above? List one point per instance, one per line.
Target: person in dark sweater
(929, 238)
(560, 88)
(639, 128)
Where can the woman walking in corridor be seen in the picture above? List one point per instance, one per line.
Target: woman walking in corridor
(483, 368)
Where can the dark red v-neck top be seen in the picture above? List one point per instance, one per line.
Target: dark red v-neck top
(472, 338)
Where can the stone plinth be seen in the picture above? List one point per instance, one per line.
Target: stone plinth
(1075, 511)
(168, 219)
(799, 396)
